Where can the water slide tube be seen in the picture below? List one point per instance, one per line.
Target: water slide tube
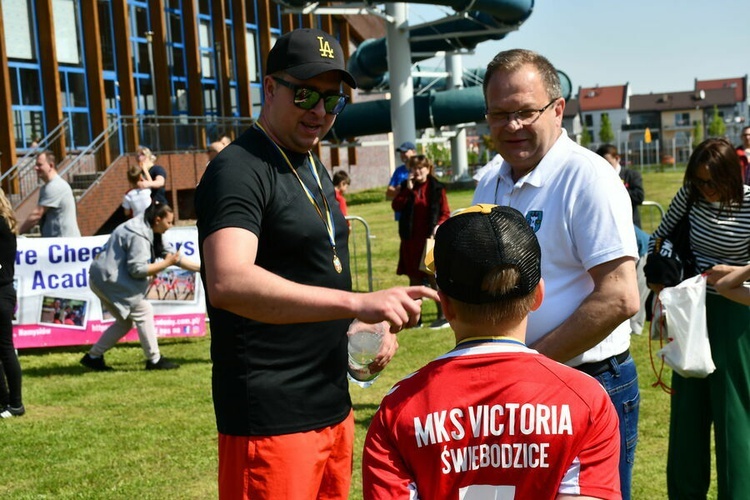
(432, 109)
(487, 20)
(475, 21)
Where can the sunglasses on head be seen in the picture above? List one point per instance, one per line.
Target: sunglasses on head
(307, 98)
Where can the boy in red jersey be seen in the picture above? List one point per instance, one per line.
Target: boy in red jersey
(492, 418)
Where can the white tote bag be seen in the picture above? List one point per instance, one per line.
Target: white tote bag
(684, 306)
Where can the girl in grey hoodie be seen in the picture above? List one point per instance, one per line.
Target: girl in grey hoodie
(120, 276)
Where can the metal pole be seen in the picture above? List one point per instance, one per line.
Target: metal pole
(459, 160)
(150, 42)
(641, 143)
(403, 122)
(219, 79)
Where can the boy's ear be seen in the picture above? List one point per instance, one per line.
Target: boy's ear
(538, 295)
(448, 311)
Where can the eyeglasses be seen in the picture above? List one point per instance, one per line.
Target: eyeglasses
(706, 183)
(522, 116)
(307, 98)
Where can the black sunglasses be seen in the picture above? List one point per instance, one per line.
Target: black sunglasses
(706, 183)
(307, 98)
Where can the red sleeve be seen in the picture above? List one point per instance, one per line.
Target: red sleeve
(384, 474)
(342, 203)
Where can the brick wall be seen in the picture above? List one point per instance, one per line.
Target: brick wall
(99, 204)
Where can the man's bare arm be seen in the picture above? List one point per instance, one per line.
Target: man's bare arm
(614, 299)
(236, 284)
(33, 219)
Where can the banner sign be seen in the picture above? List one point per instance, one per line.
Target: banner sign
(56, 307)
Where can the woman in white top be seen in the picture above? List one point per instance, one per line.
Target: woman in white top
(136, 200)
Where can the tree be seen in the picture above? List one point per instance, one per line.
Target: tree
(716, 127)
(605, 131)
(585, 137)
(697, 133)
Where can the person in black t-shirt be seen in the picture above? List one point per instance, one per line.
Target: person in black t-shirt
(275, 265)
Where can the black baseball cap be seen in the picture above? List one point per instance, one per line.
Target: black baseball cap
(305, 53)
(478, 240)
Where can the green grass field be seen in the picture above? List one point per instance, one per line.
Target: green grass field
(136, 434)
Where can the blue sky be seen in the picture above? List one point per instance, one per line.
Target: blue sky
(656, 45)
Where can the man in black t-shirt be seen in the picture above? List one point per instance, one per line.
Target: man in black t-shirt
(278, 288)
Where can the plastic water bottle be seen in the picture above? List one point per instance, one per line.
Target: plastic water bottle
(365, 340)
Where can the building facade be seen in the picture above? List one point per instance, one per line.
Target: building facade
(94, 79)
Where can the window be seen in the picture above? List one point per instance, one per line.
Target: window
(19, 40)
(77, 90)
(250, 9)
(206, 48)
(682, 119)
(30, 89)
(67, 41)
(106, 32)
(111, 94)
(588, 120)
(139, 26)
(24, 72)
(252, 55)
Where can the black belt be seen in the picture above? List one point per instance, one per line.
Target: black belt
(599, 367)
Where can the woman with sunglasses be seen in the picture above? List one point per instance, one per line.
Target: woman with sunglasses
(423, 206)
(718, 207)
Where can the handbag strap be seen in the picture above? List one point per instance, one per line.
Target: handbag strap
(660, 325)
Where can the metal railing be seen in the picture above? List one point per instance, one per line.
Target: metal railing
(648, 220)
(162, 134)
(354, 255)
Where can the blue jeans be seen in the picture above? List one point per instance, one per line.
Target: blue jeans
(641, 239)
(621, 383)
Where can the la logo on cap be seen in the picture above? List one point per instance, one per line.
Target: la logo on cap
(325, 48)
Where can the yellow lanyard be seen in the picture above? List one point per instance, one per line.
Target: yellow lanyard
(327, 217)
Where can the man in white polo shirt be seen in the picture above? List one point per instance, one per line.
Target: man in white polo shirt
(580, 212)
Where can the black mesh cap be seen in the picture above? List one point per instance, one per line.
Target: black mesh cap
(478, 240)
(306, 53)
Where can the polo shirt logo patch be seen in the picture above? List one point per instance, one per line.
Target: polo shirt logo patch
(534, 218)
(325, 48)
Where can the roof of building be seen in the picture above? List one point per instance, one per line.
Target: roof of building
(602, 98)
(738, 85)
(673, 101)
(571, 108)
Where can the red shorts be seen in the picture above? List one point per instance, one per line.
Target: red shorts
(301, 466)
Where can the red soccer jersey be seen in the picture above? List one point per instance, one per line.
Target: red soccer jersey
(493, 420)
